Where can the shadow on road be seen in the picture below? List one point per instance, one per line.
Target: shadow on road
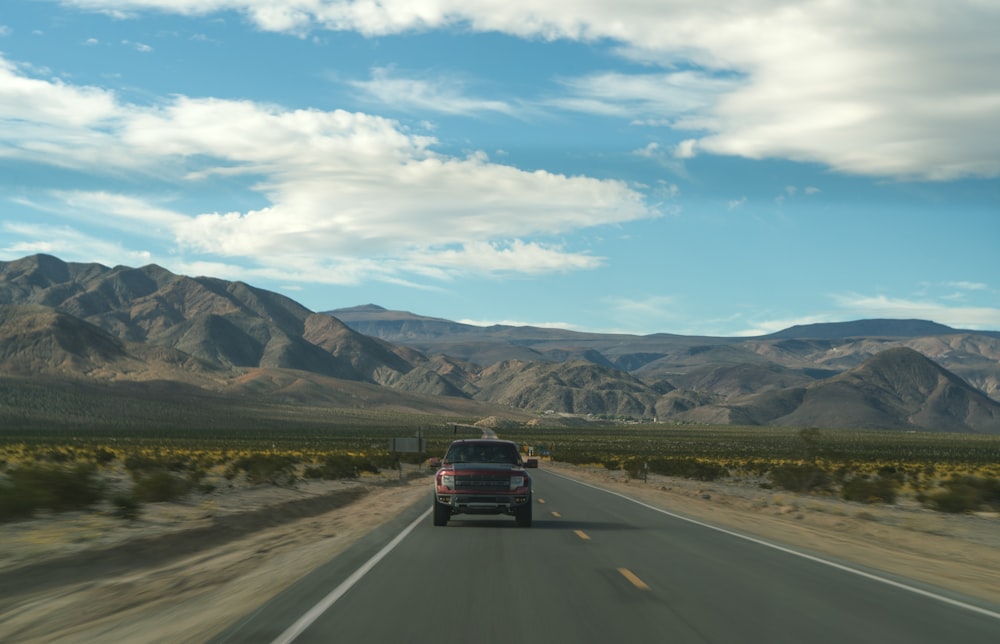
(538, 524)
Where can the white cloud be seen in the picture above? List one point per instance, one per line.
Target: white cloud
(968, 286)
(33, 104)
(499, 258)
(342, 185)
(542, 325)
(643, 97)
(68, 243)
(442, 95)
(856, 306)
(134, 213)
(766, 327)
(4, 31)
(651, 151)
(687, 149)
(655, 312)
(880, 306)
(667, 158)
(899, 89)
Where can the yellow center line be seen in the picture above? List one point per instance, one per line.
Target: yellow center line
(583, 535)
(556, 514)
(635, 581)
(541, 500)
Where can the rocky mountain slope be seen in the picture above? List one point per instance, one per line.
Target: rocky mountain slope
(896, 389)
(222, 324)
(122, 324)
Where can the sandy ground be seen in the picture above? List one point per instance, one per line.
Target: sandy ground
(185, 571)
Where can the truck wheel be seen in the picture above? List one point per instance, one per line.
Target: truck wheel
(441, 514)
(523, 515)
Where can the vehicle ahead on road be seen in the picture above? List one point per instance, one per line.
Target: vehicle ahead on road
(483, 476)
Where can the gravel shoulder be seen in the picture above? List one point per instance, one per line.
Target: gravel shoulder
(185, 571)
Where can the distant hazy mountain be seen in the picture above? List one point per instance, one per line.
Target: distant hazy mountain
(865, 329)
(179, 335)
(727, 366)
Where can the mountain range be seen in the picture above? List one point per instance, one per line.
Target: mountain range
(88, 323)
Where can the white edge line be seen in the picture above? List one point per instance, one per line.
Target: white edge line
(324, 604)
(833, 564)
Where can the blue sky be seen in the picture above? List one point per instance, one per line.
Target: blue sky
(640, 166)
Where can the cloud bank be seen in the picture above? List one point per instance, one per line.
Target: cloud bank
(348, 194)
(893, 89)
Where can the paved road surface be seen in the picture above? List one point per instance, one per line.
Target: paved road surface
(596, 567)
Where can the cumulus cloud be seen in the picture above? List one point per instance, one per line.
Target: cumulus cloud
(900, 89)
(357, 188)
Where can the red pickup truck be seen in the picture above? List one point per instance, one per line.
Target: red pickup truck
(483, 476)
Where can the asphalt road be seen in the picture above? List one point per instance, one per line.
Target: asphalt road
(596, 567)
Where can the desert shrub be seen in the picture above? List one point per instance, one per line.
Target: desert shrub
(800, 477)
(612, 465)
(59, 489)
(580, 457)
(345, 466)
(689, 468)
(413, 458)
(371, 466)
(865, 489)
(104, 456)
(14, 504)
(56, 455)
(126, 507)
(138, 463)
(277, 469)
(160, 485)
(965, 494)
(332, 468)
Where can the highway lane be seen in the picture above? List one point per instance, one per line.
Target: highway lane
(597, 567)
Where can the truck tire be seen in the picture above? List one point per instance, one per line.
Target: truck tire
(523, 515)
(441, 514)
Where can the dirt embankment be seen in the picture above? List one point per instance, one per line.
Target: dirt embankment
(185, 571)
